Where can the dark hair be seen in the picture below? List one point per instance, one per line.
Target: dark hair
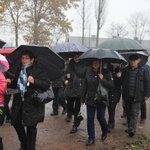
(29, 53)
(134, 57)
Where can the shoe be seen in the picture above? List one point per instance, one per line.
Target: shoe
(64, 111)
(104, 136)
(90, 142)
(73, 130)
(110, 127)
(8, 121)
(131, 134)
(68, 119)
(142, 121)
(124, 123)
(54, 113)
(123, 115)
(1, 124)
(127, 130)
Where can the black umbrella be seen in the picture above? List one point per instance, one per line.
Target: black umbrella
(106, 55)
(67, 50)
(52, 63)
(2, 43)
(143, 54)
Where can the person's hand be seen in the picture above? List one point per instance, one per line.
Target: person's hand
(31, 79)
(146, 98)
(119, 74)
(101, 76)
(8, 81)
(82, 103)
(66, 82)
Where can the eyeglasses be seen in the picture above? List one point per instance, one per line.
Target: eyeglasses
(24, 58)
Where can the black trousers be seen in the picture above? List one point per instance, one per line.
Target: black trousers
(73, 106)
(6, 105)
(27, 137)
(143, 110)
(58, 92)
(111, 112)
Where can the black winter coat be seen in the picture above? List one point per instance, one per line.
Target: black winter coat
(91, 82)
(58, 83)
(115, 92)
(31, 112)
(142, 84)
(77, 72)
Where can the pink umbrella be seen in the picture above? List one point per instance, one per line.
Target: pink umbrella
(4, 65)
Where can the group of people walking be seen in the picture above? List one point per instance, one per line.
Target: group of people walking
(94, 85)
(100, 87)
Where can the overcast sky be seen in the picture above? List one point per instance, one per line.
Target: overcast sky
(118, 11)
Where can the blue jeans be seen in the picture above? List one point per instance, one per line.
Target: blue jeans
(100, 117)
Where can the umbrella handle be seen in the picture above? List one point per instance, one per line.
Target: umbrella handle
(101, 67)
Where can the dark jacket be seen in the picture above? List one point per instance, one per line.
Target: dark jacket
(77, 72)
(91, 82)
(31, 112)
(57, 83)
(115, 92)
(142, 84)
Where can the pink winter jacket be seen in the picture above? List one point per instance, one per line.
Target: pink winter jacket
(3, 85)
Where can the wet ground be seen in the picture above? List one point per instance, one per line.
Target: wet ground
(53, 133)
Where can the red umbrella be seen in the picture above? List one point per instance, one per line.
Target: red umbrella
(6, 51)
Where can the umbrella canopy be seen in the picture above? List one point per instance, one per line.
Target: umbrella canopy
(121, 44)
(52, 63)
(2, 43)
(4, 65)
(106, 55)
(143, 54)
(6, 51)
(67, 50)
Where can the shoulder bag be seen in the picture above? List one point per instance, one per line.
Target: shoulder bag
(43, 97)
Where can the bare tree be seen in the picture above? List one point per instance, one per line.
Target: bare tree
(83, 12)
(139, 25)
(116, 30)
(100, 17)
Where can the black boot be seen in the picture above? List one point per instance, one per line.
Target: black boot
(110, 127)
(124, 113)
(1, 144)
(74, 129)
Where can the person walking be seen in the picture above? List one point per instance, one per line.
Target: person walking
(25, 113)
(114, 94)
(143, 103)
(135, 89)
(95, 103)
(58, 89)
(74, 76)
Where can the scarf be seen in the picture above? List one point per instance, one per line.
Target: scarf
(22, 80)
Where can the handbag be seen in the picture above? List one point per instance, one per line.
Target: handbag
(101, 96)
(43, 97)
